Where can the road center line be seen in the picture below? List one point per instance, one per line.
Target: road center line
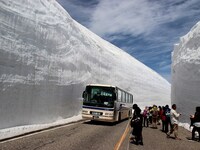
(117, 146)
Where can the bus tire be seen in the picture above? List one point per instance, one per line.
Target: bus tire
(119, 117)
(129, 114)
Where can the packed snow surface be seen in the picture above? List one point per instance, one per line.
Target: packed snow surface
(186, 73)
(47, 58)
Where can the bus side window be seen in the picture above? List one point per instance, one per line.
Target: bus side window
(119, 95)
(114, 96)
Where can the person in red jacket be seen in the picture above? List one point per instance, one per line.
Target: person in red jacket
(163, 118)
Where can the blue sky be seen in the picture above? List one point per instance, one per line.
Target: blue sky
(146, 29)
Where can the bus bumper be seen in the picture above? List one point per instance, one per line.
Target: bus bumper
(98, 118)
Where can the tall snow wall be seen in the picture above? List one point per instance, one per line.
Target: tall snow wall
(47, 58)
(185, 90)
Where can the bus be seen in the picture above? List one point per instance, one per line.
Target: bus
(106, 103)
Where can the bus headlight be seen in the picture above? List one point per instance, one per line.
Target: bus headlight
(84, 112)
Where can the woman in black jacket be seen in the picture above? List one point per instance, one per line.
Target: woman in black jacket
(136, 124)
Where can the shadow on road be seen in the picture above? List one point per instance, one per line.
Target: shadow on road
(101, 123)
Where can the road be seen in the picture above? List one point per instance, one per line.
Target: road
(89, 135)
(78, 136)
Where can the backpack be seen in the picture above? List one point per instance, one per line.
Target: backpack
(154, 113)
(135, 122)
(167, 113)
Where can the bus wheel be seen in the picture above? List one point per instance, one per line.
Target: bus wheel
(129, 114)
(119, 117)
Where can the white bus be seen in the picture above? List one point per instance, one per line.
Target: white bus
(106, 103)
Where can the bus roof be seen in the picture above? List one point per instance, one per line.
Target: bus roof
(103, 85)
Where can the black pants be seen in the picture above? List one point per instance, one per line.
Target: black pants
(193, 132)
(145, 121)
(163, 125)
(167, 123)
(137, 132)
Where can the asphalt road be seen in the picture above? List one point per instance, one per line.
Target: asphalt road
(155, 139)
(99, 136)
(78, 136)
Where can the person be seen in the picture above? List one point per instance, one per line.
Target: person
(174, 121)
(159, 115)
(195, 122)
(167, 118)
(146, 117)
(154, 112)
(136, 124)
(163, 118)
(150, 115)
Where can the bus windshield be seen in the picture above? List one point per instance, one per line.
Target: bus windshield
(99, 96)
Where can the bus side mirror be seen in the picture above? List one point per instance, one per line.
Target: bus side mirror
(84, 94)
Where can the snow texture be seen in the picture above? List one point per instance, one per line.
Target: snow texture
(20, 130)
(186, 73)
(47, 58)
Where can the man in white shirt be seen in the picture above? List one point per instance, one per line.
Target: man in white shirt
(174, 121)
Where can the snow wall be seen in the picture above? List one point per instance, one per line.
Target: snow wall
(47, 58)
(185, 90)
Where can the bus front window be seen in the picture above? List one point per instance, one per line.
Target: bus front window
(100, 96)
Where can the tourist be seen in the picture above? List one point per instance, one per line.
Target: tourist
(174, 121)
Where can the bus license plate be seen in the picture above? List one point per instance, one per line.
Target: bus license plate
(95, 113)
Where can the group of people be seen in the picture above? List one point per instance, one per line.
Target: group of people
(154, 115)
(160, 115)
